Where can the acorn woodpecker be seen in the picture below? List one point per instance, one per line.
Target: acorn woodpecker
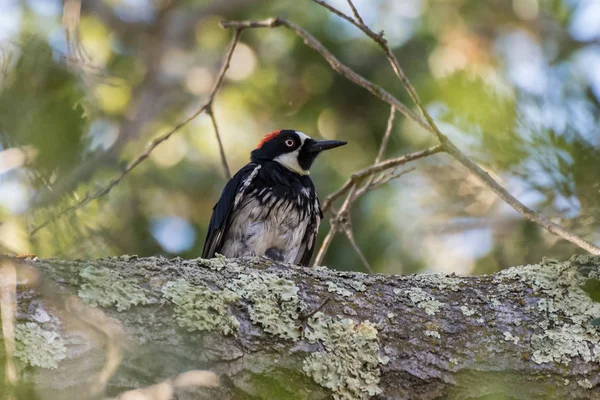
(270, 207)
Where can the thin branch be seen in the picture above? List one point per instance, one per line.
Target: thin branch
(350, 235)
(115, 181)
(334, 227)
(384, 142)
(375, 169)
(306, 316)
(211, 114)
(382, 181)
(325, 245)
(355, 12)
(360, 24)
(380, 39)
(426, 123)
(386, 136)
(343, 216)
(337, 66)
(225, 65)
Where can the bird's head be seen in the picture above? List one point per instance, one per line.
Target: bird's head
(292, 149)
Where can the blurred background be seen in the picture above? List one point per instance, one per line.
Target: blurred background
(514, 83)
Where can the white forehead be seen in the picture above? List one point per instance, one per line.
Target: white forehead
(302, 136)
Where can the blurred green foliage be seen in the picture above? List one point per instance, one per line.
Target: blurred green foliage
(514, 84)
(40, 98)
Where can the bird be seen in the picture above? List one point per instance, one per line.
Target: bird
(270, 207)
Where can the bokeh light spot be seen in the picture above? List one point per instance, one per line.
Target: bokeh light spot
(95, 39)
(199, 80)
(328, 124)
(526, 9)
(13, 196)
(16, 157)
(170, 152)
(174, 234)
(316, 79)
(103, 133)
(243, 63)
(113, 98)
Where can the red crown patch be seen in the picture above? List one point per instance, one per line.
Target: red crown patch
(268, 137)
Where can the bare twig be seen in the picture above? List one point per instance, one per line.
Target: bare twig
(427, 123)
(375, 169)
(325, 245)
(343, 216)
(380, 39)
(382, 181)
(359, 23)
(334, 226)
(306, 316)
(211, 114)
(115, 181)
(386, 136)
(355, 12)
(350, 235)
(341, 221)
(337, 66)
(210, 110)
(384, 142)
(225, 66)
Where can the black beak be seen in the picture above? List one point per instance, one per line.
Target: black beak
(318, 146)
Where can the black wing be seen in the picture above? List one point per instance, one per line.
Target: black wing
(310, 238)
(222, 210)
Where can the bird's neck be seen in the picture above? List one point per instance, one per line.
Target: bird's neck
(290, 161)
(284, 172)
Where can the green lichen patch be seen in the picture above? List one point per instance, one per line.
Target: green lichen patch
(510, 338)
(350, 364)
(439, 281)
(333, 288)
(422, 299)
(434, 334)
(565, 331)
(38, 347)
(105, 287)
(495, 302)
(358, 286)
(467, 311)
(200, 308)
(217, 263)
(274, 302)
(585, 383)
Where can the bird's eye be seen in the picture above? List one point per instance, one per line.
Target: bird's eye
(289, 143)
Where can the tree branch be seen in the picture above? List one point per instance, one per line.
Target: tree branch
(355, 12)
(335, 221)
(250, 322)
(375, 169)
(213, 120)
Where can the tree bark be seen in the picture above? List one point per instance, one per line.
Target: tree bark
(274, 331)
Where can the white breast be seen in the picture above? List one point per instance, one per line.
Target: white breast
(272, 228)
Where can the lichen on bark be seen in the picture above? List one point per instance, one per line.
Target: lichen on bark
(407, 336)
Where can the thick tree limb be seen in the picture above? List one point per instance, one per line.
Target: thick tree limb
(523, 333)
